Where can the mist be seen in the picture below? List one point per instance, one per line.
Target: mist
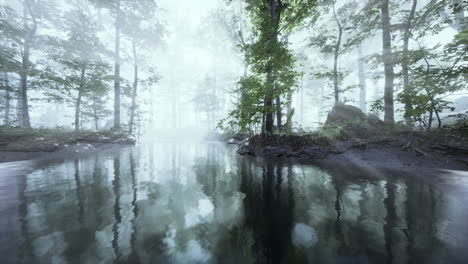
(233, 131)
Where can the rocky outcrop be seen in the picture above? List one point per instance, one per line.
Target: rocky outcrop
(342, 114)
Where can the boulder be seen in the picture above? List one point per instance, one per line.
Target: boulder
(342, 114)
(374, 120)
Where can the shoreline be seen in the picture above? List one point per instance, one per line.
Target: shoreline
(17, 144)
(381, 152)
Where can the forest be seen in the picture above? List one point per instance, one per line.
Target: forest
(404, 61)
(233, 131)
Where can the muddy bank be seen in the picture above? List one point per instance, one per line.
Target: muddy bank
(21, 144)
(349, 137)
(400, 151)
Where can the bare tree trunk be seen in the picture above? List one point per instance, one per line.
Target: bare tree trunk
(25, 63)
(362, 81)
(7, 98)
(431, 116)
(268, 104)
(388, 64)
(337, 54)
(117, 68)
(135, 87)
(404, 64)
(25, 121)
(96, 118)
(78, 100)
(302, 101)
(279, 114)
(438, 118)
(19, 108)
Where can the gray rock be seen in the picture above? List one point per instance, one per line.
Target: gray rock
(374, 120)
(342, 113)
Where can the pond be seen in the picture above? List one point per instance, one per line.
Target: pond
(187, 202)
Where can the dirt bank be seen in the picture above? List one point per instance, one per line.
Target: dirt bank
(25, 144)
(403, 150)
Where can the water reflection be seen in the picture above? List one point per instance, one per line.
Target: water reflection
(201, 203)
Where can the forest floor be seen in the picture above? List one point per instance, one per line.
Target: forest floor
(368, 143)
(25, 144)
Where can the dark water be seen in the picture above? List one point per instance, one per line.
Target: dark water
(201, 203)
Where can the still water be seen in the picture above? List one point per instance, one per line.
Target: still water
(202, 203)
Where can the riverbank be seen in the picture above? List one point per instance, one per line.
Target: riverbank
(403, 151)
(352, 138)
(24, 144)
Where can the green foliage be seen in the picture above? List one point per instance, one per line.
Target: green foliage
(272, 63)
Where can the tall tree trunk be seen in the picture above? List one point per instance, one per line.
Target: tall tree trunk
(268, 102)
(25, 63)
(388, 64)
(19, 108)
(78, 100)
(96, 118)
(404, 64)
(439, 121)
(337, 54)
(279, 114)
(7, 98)
(25, 122)
(117, 68)
(302, 101)
(362, 81)
(431, 116)
(135, 87)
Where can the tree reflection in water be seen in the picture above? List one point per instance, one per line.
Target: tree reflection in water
(201, 203)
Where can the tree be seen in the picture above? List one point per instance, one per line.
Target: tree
(388, 62)
(271, 60)
(115, 6)
(331, 43)
(434, 72)
(81, 56)
(21, 37)
(143, 29)
(404, 64)
(10, 35)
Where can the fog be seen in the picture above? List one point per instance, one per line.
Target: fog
(195, 54)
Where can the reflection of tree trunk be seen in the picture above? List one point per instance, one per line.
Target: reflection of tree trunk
(390, 219)
(133, 237)
(79, 192)
(25, 251)
(409, 212)
(118, 217)
(338, 210)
